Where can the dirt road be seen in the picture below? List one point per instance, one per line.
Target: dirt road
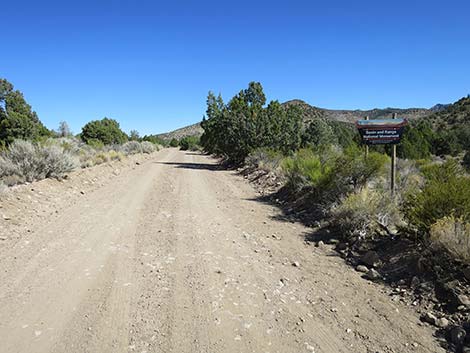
(175, 255)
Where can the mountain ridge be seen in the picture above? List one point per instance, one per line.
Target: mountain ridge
(311, 112)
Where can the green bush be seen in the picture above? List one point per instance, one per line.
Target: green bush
(305, 169)
(174, 142)
(446, 192)
(189, 143)
(329, 173)
(106, 131)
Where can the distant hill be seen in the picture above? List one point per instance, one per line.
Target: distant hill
(350, 116)
(191, 130)
(310, 112)
(454, 115)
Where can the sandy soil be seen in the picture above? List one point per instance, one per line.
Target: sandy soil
(176, 255)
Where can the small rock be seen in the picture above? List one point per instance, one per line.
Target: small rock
(463, 300)
(3, 237)
(295, 264)
(362, 268)
(320, 244)
(137, 163)
(275, 236)
(82, 192)
(442, 322)
(457, 335)
(6, 218)
(371, 258)
(429, 317)
(372, 274)
(341, 246)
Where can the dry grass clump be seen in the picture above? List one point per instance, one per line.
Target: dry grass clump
(453, 234)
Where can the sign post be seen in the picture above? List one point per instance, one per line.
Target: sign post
(383, 132)
(367, 146)
(394, 163)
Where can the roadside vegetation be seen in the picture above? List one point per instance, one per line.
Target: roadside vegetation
(322, 165)
(29, 151)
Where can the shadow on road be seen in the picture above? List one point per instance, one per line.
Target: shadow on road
(200, 166)
(299, 209)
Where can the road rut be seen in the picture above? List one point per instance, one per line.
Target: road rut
(178, 255)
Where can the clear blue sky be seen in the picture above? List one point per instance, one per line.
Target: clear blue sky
(150, 64)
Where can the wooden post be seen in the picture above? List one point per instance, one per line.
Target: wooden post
(394, 165)
(367, 146)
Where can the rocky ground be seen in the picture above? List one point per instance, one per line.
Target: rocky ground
(420, 276)
(175, 254)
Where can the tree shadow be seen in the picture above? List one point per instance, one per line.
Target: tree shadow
(194, 166)
(302, 209)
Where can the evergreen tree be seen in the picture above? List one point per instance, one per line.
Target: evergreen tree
(134, 135)
(17, 120)
(105, 130)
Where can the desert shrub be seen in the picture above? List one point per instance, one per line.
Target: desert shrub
(330, 174)
(115, 156)
(409, 176)
(305, 169)
(148, 147)
(189, 143)
(446, 192)
(69, 144)
(7, 167)
(174, 142)
(132, 147)
(100, 158)
(353, 168)
(86, 155)
(466, 160)
(26, 161)
(264, 159)
(453, 234)
(56, 161)
(366, 212)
